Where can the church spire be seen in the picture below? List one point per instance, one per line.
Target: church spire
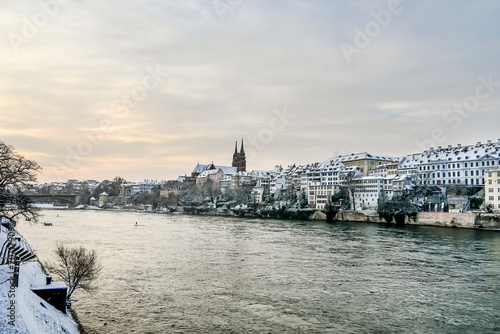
(242, 149)
(236, 148)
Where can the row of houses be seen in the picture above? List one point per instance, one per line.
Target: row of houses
(370, 175)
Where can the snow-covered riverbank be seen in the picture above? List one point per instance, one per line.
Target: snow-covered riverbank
(23, 311)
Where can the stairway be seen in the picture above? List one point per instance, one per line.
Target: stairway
(13, 246)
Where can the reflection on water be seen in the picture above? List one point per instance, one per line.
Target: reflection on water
(184, 274)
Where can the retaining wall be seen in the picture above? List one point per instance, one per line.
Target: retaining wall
(445, 219)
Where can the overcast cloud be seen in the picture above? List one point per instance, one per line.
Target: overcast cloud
(146, 89)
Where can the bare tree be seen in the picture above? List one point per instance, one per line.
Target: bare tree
(16, 174)
(77, 267)
(348, 187)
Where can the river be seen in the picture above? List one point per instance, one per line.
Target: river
(196, 274)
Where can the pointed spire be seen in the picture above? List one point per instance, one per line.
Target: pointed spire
(242, 150)
(236, 148)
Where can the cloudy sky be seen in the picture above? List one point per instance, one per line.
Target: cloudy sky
(145, 89)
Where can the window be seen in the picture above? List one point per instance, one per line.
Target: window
(490, 190)
(490, 181)
(492, 198)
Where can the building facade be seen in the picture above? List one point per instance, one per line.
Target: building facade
(492, 189)
(459, 165)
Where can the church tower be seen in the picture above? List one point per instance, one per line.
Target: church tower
(239, 158)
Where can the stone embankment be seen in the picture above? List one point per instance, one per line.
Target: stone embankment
(442, 219)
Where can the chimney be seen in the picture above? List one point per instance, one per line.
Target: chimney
(449, 147)
(489, 142)
(48, 280)
(440, 147)
(459, 145)
(478, 143)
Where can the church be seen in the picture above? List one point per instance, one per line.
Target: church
(239, 158)
(239, 165)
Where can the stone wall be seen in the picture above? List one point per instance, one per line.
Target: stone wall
(358, 216)
(445, 219)
(489, 221)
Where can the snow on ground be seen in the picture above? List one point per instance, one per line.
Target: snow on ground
(86, 207)
(49, 206)
(33, 315)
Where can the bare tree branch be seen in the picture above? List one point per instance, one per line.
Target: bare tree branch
(77, 267)
(16, 174)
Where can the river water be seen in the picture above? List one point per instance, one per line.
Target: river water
(194, 274)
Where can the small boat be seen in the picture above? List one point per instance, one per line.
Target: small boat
(47, 223)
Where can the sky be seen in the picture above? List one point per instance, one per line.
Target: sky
(146, 89)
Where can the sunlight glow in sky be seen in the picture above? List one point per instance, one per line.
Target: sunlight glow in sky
(146, 89)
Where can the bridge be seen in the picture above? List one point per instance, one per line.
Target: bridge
(70, 199)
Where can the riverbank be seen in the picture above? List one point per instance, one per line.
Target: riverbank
(27, 312)
(469, 220)
(21, 287)
(484, 221)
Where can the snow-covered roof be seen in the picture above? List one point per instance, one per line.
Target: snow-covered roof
(452, 154)
(209, 172)
(355, 157)
(228, 170)
(199, 168)
(261, 173)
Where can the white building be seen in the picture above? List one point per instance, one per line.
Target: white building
(144, 187)
(103, 199)
(492, 189)
(258, 194)
(317, 196)
(462, 165)
(367, 192)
